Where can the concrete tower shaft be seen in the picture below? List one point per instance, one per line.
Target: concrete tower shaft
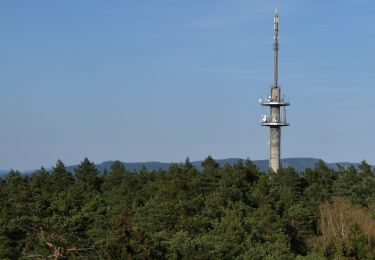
(275, 146)
(276, 119)
(275, 132)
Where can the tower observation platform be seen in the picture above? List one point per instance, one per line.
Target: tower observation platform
(277, 117)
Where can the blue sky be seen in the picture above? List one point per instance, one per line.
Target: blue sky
(162, 80)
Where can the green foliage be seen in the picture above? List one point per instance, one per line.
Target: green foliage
(60, 178)
(320, 182)
(222, 212)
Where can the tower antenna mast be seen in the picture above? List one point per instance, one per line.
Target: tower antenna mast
(276, 47)
(277, 118)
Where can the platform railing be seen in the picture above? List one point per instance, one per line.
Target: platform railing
(266, 120)
(268, 100)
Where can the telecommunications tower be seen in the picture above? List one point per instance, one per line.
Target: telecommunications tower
(277, 116)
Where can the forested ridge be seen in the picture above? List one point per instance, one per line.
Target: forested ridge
(221, 212)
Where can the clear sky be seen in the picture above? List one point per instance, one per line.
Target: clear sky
(162, 80)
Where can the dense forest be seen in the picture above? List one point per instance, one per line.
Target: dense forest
(221, 212)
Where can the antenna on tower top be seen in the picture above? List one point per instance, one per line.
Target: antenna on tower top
(276, 47)
(276, 6)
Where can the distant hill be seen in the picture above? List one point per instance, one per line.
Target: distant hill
(299, 164)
